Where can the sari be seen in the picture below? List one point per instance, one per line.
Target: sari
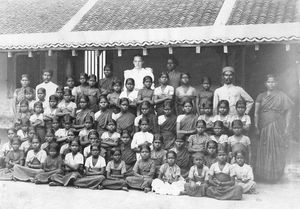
(51, 167)
(129, 157)
(102, 121)
(187, 123)
(270, 161)
(183, 161)
(125, 122)
(168, 131)
(81, 114)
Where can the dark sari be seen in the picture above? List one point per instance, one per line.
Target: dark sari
(80, 116)
(125, 122)
(129, 157)
(187, 123)
(102, 121)
(183, 161)
(168, 131)
(270, 161)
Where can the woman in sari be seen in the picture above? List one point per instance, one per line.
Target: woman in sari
(124, 119)
(272, 122)
(82, 112)
(19, 93)
(103, 115)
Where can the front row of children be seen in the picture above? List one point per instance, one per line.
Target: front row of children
(221, 181)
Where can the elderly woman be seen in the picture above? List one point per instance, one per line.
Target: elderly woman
(272, 122)
(19, 93)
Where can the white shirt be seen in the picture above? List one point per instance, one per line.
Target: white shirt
(167, 91)
(35, 117)
(245, 140)
(100, 162)
(246, 120)
(161, 119)
(140, 138)
(138, 76)
(50, 89)
(74, 160)
(49, 112)
(132, 96)
(60, 133)
(5, 149)
(40, 155)
(222, 139)
(232, 94)
(21, 134)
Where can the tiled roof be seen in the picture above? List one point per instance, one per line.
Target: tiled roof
(264, 12)
(144, 14)
(36, 16)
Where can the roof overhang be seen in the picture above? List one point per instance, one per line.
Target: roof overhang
(205, 35)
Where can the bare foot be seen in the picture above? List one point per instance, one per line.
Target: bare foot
(125, 189)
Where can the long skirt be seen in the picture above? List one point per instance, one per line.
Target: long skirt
(114, 184)
(129, 170)
(197, 190)
(6, 174)
(160, 187)
(22, 173)
(65, 179)
(225, 192)
(270, 160)
(44, 177)
(91, 182)
(139, 182)
(248, 187)
(40, 132)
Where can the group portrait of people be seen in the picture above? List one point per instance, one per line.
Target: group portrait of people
(138, 132)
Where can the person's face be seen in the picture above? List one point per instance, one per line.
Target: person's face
(237, 130)
(67, 125)
(29, 96)
(222, 157)
(82, 103)
(88, 124)
(53, 103)
(222, 109)
(187, 108)
(111, 127)
(95, 152)
(38, 109)
(117, 156)
(24, 82)
(117, 88)
(148, 83)
(60, 93)
(271, 84)
(129, 85)
(93, 138)
(163, 79)
(15, 145)
(49, 138)
(179, 143)
(35, 144)
(70, 136)
(206, 85)
(198, 161)
(23, 108)
(145, 109)
(211, 149)
(103, 104)
(208, 111)
(67, 97)
(92, 82)
(31, 134)
(124, 106)
(145, 154)
(217, 130)
(41, 95)
(70, 82)
(171, 159)
(82, 79)
(170, 64)
(228, 77)
(138, 62)
(157, 144)
(240, 159)
(74, 146)
(200, 128)
(240, 109)
(52, 153)
(55, 125)
(46, 77)
(24, 128)
(125, 138)
(185, 79)
(144, 126)
(167, 111)
(107, 72)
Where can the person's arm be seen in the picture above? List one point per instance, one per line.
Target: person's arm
(231, 182)
(256, 116)
(288, 117)
(134, 145)
(213, 181)
(151, 172)
(248, 99)
(197, 103)
(94, 171)
(30, 165)
(139, 98)
(136, 170)
(215, 102)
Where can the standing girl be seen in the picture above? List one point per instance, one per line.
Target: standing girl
(66, 106)
(162, 93)
(141, 138)
(240, 115)
(186, 123)
(198, 177)
(70, 84)
(82, 89)
(158, 155)
(167, 125)
(61, 134)
(65, 147)
(94, 170)
(33, 163)
(83, 134)
(7, 146)
(205, 95)
(222, 180)
(73, 166)
(183, 157)
(169, 180)
(131, 94)
(105, 84)
(49, 138)
(93, 138)
(207, 116)
(222, 115)
(124, 119)
(37, 120)
(51, 166)
(41, 95)
(143, 171)
(128, 155)
(103, 115)
(115, 171)
(93, 93)
(110, 139)
(218, 136)
(26, 145)
(146, 113)
(23, 110)
(113, 97)
(212, 153)
(198, 141)
(146, 94)
(82, 112)
(51, 110)
(185, 92)
(23, 132)
(59, 93)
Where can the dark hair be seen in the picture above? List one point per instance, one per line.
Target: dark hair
(38, 103)
(219, 123)
(198, 154)
(59, 88)
(171, 152)
(212, 142)
(158, 137)
(67, 92)
(185, 73)
(201, 121)
(76, 139)
(237, 123)
(111, 121)
(93, 131)
(53, 97)
(188, 101)
(48, 71)
(11, 129)
(38, 138)
(123, 99)
(139, 55)
(95, 145)
(165, 74)
(144, 119)
(103, 97)
(43, 90)
(108, 66)
(175, 61)
(89, 118)
(239, 152)
(207, 104)
(54, 146)
(145, 146)
(240, 102)
(84, 75)
(93, 77)
(67, 119)
(16, 138)
(125, 132)
(130, 79)
(226, 103)
(85, 97)
(25, 122)
(205, 78)
(145, 103)
(55, 118)
(116, 82)
(168, 103)
(113, 151)
(24, 102)
(271, 76)
(147, 78)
